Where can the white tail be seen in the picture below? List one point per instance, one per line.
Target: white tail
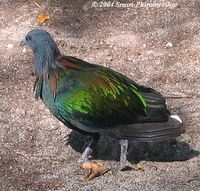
(175, 116)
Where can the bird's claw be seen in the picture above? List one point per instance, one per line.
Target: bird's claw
(81, 160)
(85, 155)
(125, 166)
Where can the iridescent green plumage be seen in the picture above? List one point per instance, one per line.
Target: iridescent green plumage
(96, 100)
(94, 96)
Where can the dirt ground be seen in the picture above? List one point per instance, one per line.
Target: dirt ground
(157, 47)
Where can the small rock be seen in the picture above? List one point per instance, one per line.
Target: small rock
(9, 46)
(24, 50)
(169, 45)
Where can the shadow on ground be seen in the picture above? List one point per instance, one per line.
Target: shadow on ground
(108, 149)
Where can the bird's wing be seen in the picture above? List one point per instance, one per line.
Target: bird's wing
(95, 96)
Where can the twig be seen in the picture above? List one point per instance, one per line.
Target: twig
(37, 4)
(193, 179)
(180, 97)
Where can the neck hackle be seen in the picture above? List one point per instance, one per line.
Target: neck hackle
(45, 57)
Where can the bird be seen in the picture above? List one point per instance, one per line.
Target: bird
(95, 100)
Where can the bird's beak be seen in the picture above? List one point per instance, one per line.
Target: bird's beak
(23, 42)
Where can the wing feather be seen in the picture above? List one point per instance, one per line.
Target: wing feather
(98, 97)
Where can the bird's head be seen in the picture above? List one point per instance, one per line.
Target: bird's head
(44, 48)
(37, 39)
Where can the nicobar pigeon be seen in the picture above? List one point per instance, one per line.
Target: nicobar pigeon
(95, 100)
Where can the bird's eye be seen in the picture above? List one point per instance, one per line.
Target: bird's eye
(29, 38)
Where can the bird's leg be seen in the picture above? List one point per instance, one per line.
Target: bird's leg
(89, 149)
(123, 153)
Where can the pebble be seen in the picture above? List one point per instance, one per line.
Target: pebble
(169, 45)
(24, 49)
(9, 46)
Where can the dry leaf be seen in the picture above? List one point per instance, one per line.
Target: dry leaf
(139, 167)
(43, 17)
(95, 169)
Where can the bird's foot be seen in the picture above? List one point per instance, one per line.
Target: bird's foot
(123, 153)
(89, 149)
(85, 155)
(119, 168)
(125, 166)
(128, 166)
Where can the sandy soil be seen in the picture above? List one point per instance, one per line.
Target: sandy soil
(158, 47)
